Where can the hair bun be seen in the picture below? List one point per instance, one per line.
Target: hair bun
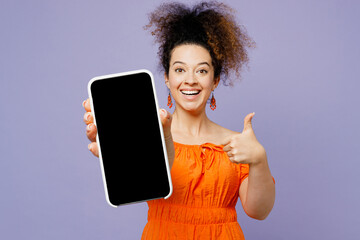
(209, 24)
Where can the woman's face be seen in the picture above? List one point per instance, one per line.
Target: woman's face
(191, 77)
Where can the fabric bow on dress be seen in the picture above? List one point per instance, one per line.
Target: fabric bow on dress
(207, 154)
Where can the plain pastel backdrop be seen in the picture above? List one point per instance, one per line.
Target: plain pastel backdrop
(302, 83)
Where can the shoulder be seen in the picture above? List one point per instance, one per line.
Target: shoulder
(219, 133)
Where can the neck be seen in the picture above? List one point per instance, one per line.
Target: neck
(189, 123)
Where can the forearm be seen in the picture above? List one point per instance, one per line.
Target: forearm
(260, 195)
(170, 149)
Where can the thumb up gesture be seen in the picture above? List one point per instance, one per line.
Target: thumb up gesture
(244, 147)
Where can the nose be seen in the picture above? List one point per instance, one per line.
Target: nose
(191, 79)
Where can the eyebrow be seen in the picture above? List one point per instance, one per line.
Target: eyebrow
(197, 64)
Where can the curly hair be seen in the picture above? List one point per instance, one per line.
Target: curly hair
(208, 24)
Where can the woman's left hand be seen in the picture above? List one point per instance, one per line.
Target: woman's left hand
(244, 147)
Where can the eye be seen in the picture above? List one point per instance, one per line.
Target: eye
(203, 71)
(179, 70)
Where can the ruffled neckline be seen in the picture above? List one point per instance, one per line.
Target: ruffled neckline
(203, 151)
(207, 144)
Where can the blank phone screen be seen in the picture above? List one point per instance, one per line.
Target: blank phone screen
(130, 138)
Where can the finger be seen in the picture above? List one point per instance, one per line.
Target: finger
(91, 132)
(93, 147)
(232, 159)
(227, 148)
(86, 105)
(247, 121)
(229, 154)
(166, 119)
(164, 115)
(226, 140)
(88, 117)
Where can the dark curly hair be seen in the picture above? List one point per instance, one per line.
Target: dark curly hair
(208, 24)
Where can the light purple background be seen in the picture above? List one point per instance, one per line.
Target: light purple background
(303, 84)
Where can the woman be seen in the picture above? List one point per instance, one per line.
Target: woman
(211, 166)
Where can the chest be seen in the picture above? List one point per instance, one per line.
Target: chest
(204, 171)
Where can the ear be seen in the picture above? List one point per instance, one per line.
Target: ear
(166, 80)
(217, 81)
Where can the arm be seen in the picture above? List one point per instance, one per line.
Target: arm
(257, 191)
(170, 149)
(166, 120)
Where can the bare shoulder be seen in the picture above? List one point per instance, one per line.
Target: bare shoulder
(219, 133)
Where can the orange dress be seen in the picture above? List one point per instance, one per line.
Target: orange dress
(205, 191)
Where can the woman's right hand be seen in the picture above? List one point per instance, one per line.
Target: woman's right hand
(91, 130)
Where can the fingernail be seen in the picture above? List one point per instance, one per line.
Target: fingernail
(89, 146)
(89, 126)
(84, 103)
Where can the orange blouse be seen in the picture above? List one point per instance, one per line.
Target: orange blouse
(205, 191)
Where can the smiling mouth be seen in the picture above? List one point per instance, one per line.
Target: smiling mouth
(190, 92)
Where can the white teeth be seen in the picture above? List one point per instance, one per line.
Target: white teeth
(190, 92)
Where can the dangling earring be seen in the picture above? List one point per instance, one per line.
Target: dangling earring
(169, 101)
(212, 102)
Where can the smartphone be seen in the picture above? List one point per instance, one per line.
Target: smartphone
(130, 138)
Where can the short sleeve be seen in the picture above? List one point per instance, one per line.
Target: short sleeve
(244, 172)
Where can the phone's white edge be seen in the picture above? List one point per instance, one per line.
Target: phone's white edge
(160, 126)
